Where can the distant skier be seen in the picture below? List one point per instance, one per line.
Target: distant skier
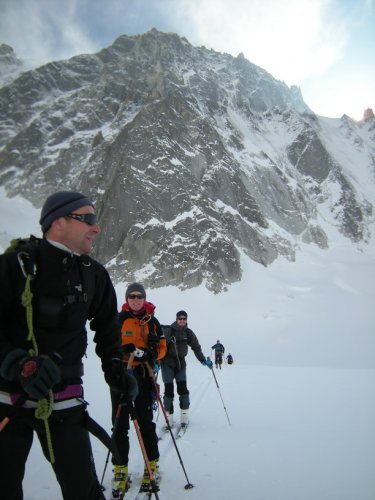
(230, 359)
(219, 351)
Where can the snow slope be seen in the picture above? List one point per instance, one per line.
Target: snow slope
(297, 433)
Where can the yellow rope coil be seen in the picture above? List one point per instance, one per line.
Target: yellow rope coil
(27, 300)
(43, 412)
(45, 406)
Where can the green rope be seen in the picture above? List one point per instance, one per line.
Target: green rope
(43, 412)
(27, 299)
(45, 406)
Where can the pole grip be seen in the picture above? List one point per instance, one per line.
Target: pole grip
(3, 423)
(150, 370)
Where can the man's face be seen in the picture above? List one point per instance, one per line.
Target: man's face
(79, 235)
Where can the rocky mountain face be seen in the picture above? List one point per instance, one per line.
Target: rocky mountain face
(10, 65)
(194, 159)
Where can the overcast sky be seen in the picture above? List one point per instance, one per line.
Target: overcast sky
(326, 47)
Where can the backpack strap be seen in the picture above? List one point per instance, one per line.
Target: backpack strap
(26, 249)
(97, 430)
(86, 266)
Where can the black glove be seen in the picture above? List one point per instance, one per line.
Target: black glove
(128, 348)
(119, 379)
(37, 374)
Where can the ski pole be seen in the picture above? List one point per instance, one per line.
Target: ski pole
(217, 385)
(117, 417)
(20, 401)
(154, 486)
(188, 486)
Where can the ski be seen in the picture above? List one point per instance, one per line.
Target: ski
(181, 430)
(144, 495)
(146, 492)
(119, 494)
(164, 430)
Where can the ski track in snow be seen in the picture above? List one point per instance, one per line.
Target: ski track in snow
(296, 434)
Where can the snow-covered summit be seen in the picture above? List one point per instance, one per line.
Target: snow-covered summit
(193, 157)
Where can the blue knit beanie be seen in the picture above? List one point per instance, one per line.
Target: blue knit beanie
(61, 204)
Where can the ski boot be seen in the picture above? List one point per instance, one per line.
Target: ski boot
(184, 418)
(146, 481)
(170, 420)
(120, 482)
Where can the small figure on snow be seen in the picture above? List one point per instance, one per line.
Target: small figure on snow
(219, 351)
(230, 359)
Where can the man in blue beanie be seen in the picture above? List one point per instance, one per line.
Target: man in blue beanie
(43, 341)
(61, 204)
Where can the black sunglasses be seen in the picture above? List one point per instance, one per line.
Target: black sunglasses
(132, 296)
(89, 219)
(182, 317)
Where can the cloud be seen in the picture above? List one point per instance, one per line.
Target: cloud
(311, 43)
(292, 39)
(43, 30)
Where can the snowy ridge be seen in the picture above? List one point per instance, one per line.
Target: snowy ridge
(193, 158)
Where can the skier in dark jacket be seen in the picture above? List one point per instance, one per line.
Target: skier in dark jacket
(219, 351)
(42, 345)
(173, 365)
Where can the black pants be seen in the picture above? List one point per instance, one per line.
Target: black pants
(170, 374)
(144, 414)
(74, 464)
(218, 358)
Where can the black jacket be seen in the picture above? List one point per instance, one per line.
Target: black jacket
(219, 348)
(178, 339)
(67, 291)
